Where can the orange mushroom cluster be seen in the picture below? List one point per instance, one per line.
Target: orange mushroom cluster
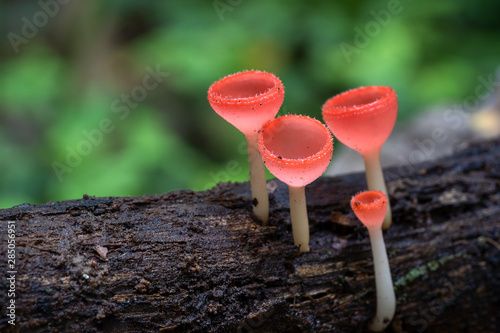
(297, 149)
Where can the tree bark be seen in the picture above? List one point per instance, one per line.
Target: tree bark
(198, 262)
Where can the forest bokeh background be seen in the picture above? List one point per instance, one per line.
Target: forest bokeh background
(108, 98)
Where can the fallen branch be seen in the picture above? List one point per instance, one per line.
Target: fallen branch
(198, 262)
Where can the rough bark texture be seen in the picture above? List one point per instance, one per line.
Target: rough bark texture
(198, 262)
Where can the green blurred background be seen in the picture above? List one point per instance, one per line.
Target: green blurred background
(67, 126)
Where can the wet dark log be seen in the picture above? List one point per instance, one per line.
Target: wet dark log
(198, 262)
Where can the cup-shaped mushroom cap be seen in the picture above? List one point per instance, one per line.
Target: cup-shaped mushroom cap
(296, 149)
(247, 99)
(370, 207)
(362, 118)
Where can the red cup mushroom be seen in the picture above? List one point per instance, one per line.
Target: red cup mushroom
(297, 150)
(248, 100)
(370, 207)
(363, 119)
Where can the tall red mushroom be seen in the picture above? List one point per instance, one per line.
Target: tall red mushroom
(363, 119)
(248, 100)
(297, 150)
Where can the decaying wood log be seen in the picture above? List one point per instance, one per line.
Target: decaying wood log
(197, 261)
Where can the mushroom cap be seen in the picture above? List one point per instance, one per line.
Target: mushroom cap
(370, 207)
(247, 99)
(362, 118)
(296, 149)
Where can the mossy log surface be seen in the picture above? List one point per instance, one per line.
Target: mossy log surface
(198, 262)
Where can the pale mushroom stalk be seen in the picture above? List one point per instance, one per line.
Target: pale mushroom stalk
(376, 182)
(258, 185)
(298, 216)
(386, 298)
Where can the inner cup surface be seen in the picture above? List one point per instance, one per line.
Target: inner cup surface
(244, 86)
(368, 198)
(350, 100)
(295, 138)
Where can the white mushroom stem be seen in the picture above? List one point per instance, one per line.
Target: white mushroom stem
(298, 215)
(258, 185)
(376, 182)
(386, 299)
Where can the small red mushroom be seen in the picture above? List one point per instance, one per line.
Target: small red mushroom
(248, 100)
(363, 119)
(370, 207)
(297, 150)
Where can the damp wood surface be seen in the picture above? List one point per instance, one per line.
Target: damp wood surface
(198, 262)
